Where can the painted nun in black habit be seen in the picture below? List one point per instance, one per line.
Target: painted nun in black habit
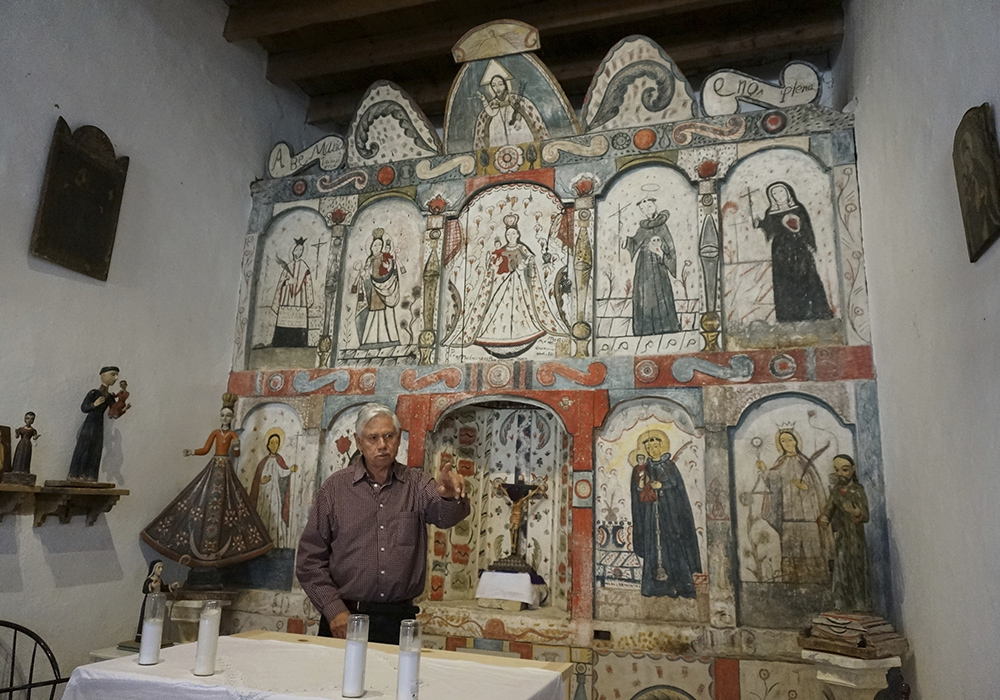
(799, 294)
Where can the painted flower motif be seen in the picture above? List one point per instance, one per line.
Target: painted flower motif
(774, 122)
(437, 205)
(621, 140)
(507, 159)
(565, 402)
(338, 215)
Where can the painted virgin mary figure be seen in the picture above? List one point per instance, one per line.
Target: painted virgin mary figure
(799, 294)
(212, 522)
(271, 490)
(509, 312)
(652, 250)
(506, 118)
(663, 530)
(795, 500)
(379, 285)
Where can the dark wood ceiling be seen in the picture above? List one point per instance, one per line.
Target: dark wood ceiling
(334, 49)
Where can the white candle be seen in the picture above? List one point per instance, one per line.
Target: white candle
(208, 639)
(354, 668)
(149, 648)
(409, 675)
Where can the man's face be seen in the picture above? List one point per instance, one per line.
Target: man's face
(844, 470)
(379, 442)
(109, 377)
(647, 208)
(498, 86)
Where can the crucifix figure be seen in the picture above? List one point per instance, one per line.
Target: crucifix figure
(520, 495)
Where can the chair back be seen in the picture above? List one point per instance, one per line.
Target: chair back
(28, 668)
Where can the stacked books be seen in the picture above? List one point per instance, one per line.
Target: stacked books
(860, 635)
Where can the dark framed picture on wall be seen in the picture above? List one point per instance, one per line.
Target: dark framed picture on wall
(977, 170)
(81, 197)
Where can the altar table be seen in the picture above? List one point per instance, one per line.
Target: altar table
(276, 666)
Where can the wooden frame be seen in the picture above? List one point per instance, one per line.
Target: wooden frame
(977, 171)
(81, 197)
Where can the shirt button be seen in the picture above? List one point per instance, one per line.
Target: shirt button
(381, 505)
(382, 595)
(381, 527)
(381, 572)
(382, 549)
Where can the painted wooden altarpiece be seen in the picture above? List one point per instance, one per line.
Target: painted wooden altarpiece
(656, 307)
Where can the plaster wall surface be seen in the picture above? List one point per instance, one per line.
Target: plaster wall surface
(196, 116)
(915, 67)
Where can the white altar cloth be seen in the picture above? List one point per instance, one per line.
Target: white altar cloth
(264, 669)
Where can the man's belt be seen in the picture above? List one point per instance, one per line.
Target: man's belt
(403, 607)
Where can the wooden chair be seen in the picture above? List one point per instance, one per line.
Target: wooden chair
(22, 669)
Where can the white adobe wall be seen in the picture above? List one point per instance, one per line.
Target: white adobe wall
(915, 66)
(196, 116)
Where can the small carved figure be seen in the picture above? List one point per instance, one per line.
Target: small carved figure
(86, 462)
(22, 453)
(121, 403)
(212, 522)
(846, 513)
(153, 584)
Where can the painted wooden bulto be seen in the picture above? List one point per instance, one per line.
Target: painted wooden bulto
(655, 309)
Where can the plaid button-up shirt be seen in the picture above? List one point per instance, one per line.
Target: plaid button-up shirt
(368, 542)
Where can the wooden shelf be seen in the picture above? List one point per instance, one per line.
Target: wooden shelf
(65, 502)
(15, 498)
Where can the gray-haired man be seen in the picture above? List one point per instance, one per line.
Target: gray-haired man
(364, 548)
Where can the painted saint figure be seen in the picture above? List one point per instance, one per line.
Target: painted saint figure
(378, 288)
(792, 506)
(663, 529)
(293, 298)
(652, 250)
(86, 462)
(846, 513)
(271, 491)
(509, 312)
(799, 294)
(22, 453)
(506, 118)
(212, 522)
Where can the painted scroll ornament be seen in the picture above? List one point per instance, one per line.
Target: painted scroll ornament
(328, 152)
(722, 91)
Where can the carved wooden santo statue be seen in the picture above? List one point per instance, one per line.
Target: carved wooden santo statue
(520, 495)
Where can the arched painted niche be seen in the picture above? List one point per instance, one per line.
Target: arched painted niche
(649, 514)
(506, 286)
(781, 457)
(650, 283)
(491, 442)
(779, 251)
(289, 299)
(381, 292)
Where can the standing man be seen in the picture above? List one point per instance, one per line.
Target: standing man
(364, 549)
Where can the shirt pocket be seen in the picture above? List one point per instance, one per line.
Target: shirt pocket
(407, 529)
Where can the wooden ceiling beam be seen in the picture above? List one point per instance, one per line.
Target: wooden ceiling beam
(263, 18)
(411, 45)
(818, 35)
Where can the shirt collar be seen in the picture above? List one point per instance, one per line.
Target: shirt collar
(360, 473)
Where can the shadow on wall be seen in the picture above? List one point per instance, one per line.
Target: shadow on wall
(79, 556)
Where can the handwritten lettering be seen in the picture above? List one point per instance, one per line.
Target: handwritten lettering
(328, 152)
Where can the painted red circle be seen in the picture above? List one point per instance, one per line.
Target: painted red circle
(386, 175)
(644, 139)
